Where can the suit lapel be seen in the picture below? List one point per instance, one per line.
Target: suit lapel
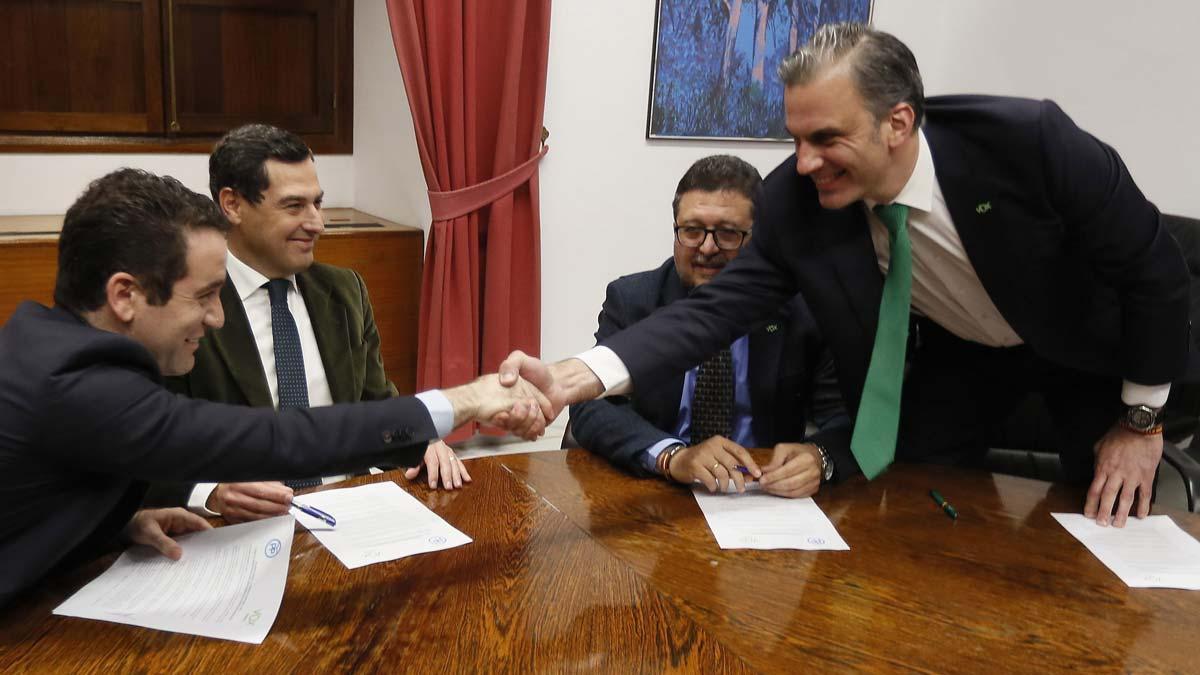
(329, 326)
(668, 403)
(848, 238)
(234, 344)
(766, 360)
(980, 211)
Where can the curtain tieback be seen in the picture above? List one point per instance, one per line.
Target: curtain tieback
(455, 203)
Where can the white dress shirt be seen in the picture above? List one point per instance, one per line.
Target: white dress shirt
(945, 286)
(250, 286)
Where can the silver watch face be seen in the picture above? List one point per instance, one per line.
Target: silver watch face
(1141, 417)
(826, 464)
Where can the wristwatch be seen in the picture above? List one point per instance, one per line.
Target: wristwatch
(1142, 419)
(826, 463)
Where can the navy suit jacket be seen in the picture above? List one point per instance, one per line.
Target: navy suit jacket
(1067, 247)
(85, 421)
(787, 358)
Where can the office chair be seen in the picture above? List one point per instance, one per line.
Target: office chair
(1022, 445)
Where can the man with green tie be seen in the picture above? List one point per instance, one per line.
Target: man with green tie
(1015, 245)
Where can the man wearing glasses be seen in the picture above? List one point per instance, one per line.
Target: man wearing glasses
(758, 392)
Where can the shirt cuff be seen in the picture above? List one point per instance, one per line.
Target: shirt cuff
(1154, 396)
(198, 501)
(649, 457)
(440, 411)
(608, 367)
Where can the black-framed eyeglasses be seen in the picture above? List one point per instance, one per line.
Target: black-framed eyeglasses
(726, 239)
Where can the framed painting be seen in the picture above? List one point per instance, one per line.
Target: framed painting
(713, 73)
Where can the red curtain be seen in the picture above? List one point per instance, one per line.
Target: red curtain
(475, 75)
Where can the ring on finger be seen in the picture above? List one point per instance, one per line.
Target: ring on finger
(714, 467)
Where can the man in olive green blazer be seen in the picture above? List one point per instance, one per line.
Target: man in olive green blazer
(228, 367)
(264, 180)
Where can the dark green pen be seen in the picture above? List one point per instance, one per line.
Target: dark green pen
(945, 505)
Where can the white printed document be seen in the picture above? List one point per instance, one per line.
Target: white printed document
(755, 519)
(1149, 553)
(228, 584)
(377, 523)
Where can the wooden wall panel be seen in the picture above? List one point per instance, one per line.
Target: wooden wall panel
(80, 65)
(390, 264)
(254, 61)
(389, 259)
(27, 272)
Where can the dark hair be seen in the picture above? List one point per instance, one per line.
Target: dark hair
(239, 159)
(129, 221)
(884, 68)
(717, 173)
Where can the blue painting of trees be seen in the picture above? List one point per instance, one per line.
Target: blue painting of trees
(715, 63)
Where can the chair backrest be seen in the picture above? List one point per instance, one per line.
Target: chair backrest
(1183, 408)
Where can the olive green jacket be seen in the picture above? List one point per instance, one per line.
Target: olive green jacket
(228, 368)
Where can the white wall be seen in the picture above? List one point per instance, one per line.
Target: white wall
(1124, 71)
(387, 170)
(48, 183)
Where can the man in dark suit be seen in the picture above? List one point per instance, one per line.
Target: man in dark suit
(264, 180)
(85, 421)
(780, 369)
(1026, 256)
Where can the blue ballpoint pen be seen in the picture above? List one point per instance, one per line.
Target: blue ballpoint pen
(316, 513)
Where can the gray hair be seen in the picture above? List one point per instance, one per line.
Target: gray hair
(884, 69)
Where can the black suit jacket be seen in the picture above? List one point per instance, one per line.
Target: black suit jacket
(229, 370)
(1065, 244)
(788, 363)
(84, 420)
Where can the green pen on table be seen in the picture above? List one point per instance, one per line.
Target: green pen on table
(945, 505)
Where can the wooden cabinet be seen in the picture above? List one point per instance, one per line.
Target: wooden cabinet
(387, 255)
(172, 75)
(80, 66)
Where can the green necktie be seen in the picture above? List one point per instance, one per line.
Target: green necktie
(875, 428)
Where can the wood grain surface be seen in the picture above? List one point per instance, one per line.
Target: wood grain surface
(577, 567)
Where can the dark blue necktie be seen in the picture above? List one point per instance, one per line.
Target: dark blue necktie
(289, 360)
(712, 399)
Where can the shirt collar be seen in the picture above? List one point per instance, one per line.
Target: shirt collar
(917, 193)
(245, 278)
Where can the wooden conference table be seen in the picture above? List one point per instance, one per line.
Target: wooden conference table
(576, 567)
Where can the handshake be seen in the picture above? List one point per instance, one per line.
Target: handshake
(525, 395)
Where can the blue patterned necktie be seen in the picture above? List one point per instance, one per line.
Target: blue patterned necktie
(712, 399)
(289, 360)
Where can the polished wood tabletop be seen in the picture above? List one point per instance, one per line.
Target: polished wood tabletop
(577, 567)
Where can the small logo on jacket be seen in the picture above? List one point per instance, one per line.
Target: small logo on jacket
(983, 208)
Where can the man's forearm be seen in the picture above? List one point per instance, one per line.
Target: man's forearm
(465, 401)
(578, 383)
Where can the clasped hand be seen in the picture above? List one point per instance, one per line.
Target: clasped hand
(794, 470)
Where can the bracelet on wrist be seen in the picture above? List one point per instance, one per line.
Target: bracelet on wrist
(669, 453)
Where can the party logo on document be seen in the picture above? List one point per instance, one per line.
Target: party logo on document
(273, 548)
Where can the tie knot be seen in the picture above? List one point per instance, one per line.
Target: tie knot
(277, 289)
(892, 215)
